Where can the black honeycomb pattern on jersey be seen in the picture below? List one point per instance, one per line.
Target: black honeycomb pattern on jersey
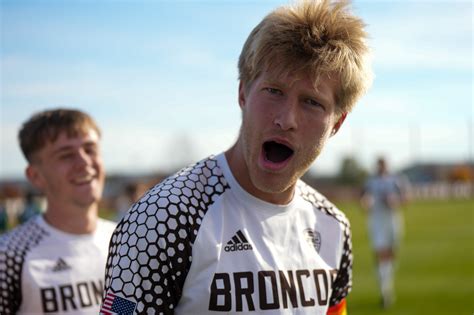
(14, 247)
(343, 282)
(150, 252)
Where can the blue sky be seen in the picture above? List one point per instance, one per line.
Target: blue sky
(160, 77)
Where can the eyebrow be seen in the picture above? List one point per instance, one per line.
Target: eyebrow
(273, 82)
(71, 147)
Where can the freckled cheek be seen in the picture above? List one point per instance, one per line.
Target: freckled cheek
(259, 119)
(261, 109)
(325, 126)
(267, 120)
(313, 123)
(267, 116)
(316, 133)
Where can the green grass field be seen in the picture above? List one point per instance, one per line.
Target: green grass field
(435, 272)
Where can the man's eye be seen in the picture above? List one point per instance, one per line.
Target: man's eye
(315, 103)
(91, 151)
(66, 156)
(274, 91)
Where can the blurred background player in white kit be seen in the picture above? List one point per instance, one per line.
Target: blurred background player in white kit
(54, 263)
(383, 196)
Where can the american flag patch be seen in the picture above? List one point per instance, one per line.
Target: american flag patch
(114, 304)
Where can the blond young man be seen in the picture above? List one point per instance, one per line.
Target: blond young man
(54, 263)
(239, 233)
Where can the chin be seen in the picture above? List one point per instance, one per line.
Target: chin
(273, 184)
(92, 193)
(87, 200)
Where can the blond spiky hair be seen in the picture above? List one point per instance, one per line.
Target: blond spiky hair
(316, 37)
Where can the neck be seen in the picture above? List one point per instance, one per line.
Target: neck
(239, 169)
(79, 220)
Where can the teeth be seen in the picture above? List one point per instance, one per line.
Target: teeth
(83, 179)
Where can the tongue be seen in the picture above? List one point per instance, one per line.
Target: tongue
(276, 152)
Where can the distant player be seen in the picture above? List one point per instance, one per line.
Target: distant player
(54, 263)
(383, 196)
(239, 233)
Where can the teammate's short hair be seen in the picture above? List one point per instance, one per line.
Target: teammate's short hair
(46, 126)
(316, 37)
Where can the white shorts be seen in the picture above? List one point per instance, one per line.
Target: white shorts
(386, 228)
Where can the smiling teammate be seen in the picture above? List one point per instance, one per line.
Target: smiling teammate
(239, 233)
(54, 263)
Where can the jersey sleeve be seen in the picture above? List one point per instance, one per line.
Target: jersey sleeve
(14, 247)
(10, 287)
(150, 252)
(343, 281)
(149, 256)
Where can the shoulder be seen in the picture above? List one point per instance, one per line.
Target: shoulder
(181, 199)
(197, 185)
(204, 176)
(24, 236)
(16, 245)
(321, 204)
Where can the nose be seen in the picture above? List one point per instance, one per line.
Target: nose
(286, 117)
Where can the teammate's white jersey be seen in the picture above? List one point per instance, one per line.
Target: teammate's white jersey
(385, 221)
(198, 243)
(382, 189)
(46, 271)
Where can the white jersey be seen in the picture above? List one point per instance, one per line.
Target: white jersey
(382, 188)
(46, 271)
(385, 221)
(198, 243)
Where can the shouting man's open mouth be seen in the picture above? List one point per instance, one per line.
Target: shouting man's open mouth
(276, 154)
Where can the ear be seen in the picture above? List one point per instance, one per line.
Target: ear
(242, 96)
(338, 124)
(34, 176)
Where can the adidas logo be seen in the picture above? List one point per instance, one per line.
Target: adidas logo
(61, 265)
(238, 242)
